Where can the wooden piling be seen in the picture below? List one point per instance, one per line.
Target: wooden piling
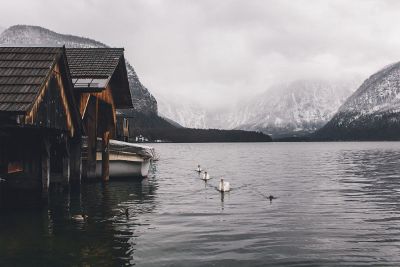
(3, 158)
(92, 111)
(75, 161)
(66, 171)
(105, 157)
(45, 166)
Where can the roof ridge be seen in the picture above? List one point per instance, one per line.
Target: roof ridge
(95, 48)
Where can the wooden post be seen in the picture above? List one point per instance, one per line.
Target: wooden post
(45, 166)
(92, 138)
(66, 172)
(76, 161)
(105, 157)
(3, 158)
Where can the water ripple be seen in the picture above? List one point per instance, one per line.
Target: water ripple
(337, 205)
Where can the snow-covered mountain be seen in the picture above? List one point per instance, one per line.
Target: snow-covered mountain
(143, 100)
(296, 108)
(372, 112)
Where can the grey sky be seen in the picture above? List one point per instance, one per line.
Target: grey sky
(221, 50)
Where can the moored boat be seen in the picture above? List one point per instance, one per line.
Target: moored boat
(127, 160)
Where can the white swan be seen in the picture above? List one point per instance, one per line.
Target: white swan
(224, 186)
(198, 169)
(206, 176)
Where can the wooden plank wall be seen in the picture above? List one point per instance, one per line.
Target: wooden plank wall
(51, 109)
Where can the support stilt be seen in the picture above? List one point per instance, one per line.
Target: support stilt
(66, 173)
(45, 166)
(92, 138)
(105, 157)
(76, 162)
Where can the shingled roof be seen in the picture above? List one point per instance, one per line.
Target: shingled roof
(23, 70)
(93, 62)
(92, 69)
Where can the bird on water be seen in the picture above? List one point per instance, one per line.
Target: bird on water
(79, 218)
(206, 176)
(224, 186)
(198, 168)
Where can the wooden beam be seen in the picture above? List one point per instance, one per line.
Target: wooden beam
(105, 157)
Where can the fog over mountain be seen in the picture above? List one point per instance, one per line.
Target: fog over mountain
(298, 108)
(291, 108)
(219, 52)
(294, 108)
(211, 62)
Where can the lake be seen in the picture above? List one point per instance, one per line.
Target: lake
(337, 204)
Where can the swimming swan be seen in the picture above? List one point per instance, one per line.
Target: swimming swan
(224, 186)
(206, 176)
(198, 169)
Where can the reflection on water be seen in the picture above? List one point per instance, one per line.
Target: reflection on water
(50, 236)
(337, 205)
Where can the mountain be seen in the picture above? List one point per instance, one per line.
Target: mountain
(184, 113)
(293, 109)
(142, 99)
(371, 113)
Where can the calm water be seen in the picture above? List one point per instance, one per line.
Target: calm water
(338, 205)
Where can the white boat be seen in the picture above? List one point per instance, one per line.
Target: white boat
(127, 160)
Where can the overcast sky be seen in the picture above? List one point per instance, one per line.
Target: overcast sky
(222, 50)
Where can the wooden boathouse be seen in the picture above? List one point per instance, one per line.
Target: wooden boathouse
(53, 102)
(101, 86)
(40, 127)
